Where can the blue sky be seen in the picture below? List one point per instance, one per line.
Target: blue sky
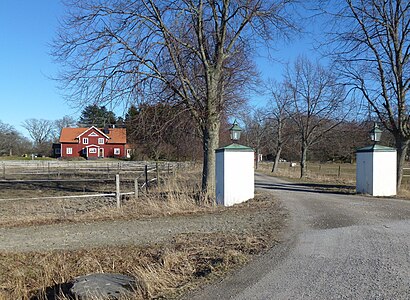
(26, 90)
(26, 29)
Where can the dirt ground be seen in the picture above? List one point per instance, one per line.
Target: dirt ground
(241, 219)
(169, 252)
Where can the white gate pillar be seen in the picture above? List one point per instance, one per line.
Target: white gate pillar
(376, 170)
(234, 174)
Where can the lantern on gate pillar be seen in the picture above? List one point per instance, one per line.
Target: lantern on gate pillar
(375, 133)
(235, 132)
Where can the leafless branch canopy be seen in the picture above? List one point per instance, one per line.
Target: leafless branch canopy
(373, 50)
(113, 51)
(198, 52)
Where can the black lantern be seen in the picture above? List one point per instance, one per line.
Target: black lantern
(375, 133)
(235, 131)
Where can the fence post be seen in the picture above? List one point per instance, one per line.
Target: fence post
(136, 188)
(48, 170)
(338, 172)
(117, 190)
(157, 169)
(146, 178)
(108, 170)
(4, 171)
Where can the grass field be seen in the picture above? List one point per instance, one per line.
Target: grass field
(329, 173)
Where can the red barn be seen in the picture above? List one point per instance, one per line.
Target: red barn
(92, 143)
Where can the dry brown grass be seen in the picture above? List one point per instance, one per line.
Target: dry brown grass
(174, 195)
(162, 271)
(319, 173)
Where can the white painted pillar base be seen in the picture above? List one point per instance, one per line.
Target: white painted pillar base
(234, 174)
(376, 171)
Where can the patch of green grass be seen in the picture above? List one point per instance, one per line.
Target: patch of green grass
(6, 158)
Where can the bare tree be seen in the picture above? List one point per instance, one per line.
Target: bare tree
(40, 131)
(255, 130)
(161, 131)
(280, 99)
(59, 124)
(12, 142)
(194, 52)
(316, 103)
(341, 143)
(371, 43)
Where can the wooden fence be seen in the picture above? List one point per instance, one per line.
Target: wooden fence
(62, 169)
(333, 170)
(406, 172)
(141, 174)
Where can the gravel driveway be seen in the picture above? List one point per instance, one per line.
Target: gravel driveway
(336, 247)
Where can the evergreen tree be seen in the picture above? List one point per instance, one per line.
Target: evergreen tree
(99, 116)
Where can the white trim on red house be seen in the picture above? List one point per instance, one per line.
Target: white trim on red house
(93, 127)
(87, 150)
(93, 146)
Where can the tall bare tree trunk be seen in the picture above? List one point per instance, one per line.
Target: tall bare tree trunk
(401, 145)
(303, 160)
(277, 157)
(257, 158)
(210, 143)
(279, 145)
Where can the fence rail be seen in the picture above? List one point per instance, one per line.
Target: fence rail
(141, 174)
(60, 170)
(404, 170)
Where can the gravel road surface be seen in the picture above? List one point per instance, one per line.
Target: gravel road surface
(336, 247)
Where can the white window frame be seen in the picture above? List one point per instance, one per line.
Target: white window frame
(69, 150)
(117, 151)
(85, 141)
(100, 141)
(92, 150)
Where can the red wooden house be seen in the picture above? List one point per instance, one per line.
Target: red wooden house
(92, 143)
